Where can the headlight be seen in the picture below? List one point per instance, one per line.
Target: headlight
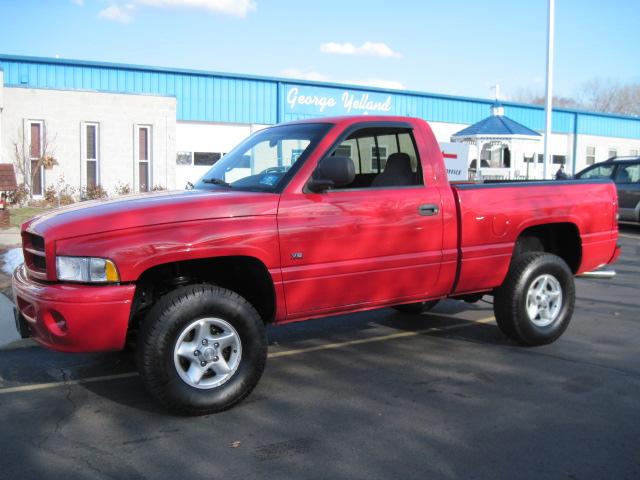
(85, 269)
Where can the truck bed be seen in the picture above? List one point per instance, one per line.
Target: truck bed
(491, 216)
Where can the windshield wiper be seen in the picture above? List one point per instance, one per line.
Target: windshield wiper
(216, 181)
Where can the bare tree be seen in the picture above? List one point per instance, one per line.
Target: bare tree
(611, 96)
(536, 98)
(28, 166)
(598, 95)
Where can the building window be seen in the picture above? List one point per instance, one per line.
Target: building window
(343, 150)
(540, 158)
(205, 158)
(91, 153)
(591, 155)
(183, 158)
(612, 153)
(633, 152)
(378, 157)
(144, 158)
(295, 154)
(35, 157)
(559, 159)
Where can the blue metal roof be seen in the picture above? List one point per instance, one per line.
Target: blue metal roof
(496, 125)
(235, 98)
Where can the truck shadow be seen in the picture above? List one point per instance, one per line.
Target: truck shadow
(372, 410)
(369, 326)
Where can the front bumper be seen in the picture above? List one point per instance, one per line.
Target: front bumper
(72, 318)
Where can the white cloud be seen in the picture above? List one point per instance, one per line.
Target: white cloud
(118, 13)
(78, 2)
(380, 83)
(374, 49)
(304, 74)
(236, 8)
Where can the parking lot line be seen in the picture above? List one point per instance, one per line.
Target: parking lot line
(380, 338)
(44, 386)
(327, 346)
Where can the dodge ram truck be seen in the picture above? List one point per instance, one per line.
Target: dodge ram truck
(303, 220)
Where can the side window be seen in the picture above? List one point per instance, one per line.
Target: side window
(628, 174)
(387, 145)
(367, 147)
(407, 146)
(601, 171)
(349, 148)
(383, 157)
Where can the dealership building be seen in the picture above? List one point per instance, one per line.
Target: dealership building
(142, 127)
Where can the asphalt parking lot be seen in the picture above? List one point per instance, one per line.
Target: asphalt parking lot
(371, 395)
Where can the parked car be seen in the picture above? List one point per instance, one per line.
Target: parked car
(625, 172)
(195, 276)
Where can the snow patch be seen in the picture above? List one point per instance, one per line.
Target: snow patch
(11, 260)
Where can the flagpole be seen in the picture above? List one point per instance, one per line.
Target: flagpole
(549, 87)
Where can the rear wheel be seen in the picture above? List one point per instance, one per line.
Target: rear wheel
(201, 349)
(417, 307)
(535, 303)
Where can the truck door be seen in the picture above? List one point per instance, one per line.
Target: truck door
(372, 242)
(627, 180)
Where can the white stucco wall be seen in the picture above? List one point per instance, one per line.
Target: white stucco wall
(205, 137)
(559, 144)
(64, 114)
(623, 146)
(209, 137)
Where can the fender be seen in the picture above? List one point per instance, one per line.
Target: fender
(136, 250)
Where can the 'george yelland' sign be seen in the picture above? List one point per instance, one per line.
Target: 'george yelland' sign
(309, 100)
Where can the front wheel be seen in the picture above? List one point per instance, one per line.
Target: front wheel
(201, 349)
(535, 303)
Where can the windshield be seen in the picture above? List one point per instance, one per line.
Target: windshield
(260, 163)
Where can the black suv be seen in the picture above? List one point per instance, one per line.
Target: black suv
(625, 172)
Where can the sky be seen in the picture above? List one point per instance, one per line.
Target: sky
(451, 47)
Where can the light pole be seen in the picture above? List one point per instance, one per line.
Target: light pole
(549, 88)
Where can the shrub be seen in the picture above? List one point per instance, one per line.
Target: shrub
(123, 189)
(158, 188)
(51, 196)
(93, 193)
(60, 194)
(65, 198)
(20, 196)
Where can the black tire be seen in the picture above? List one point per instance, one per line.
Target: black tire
(161, 329)
(416, 308)
(510, 299)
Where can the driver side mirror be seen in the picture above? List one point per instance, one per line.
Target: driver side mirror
(331, 172)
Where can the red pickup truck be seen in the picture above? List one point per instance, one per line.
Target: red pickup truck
(303, 220)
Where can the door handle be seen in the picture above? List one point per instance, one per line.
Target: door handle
(428, 209)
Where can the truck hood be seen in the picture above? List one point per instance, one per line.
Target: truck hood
(100, 216)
